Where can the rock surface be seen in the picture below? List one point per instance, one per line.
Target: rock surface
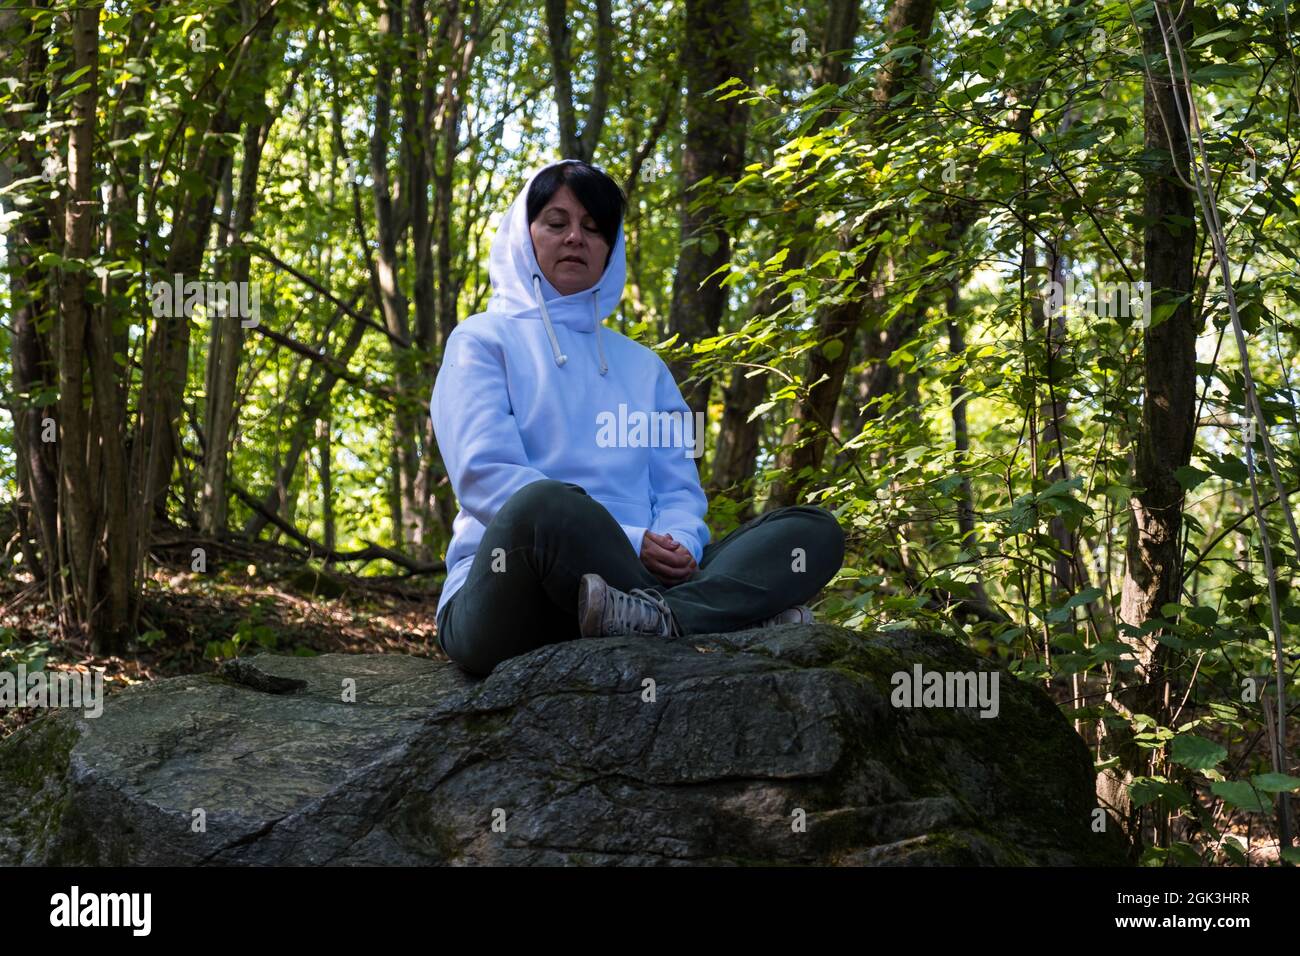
(765, 746)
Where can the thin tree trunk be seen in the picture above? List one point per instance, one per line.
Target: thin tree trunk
(76, 490)
(32, 364)
(228, 332)
(806, 440)
(432, 493)
(1053, 409)
(575, 145)
(391, 225)
(957, 392)
(318, 384)
(1169, 361)
(324, 453)
(738, 435)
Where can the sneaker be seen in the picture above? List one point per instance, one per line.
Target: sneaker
(605, 611)
(799, 614)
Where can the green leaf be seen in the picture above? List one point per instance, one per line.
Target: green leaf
(901, 53)
(1240, 794)
(1063, 487)
(779, 258)
(1195, 752)
(1219, 71)
(1086, 596)
(1119, 494)
(72, 91)
(1190, 477)
(1234, 852)
(1275, 782)
(1210, 38)
(1161, 312)
(1234, 469)
(1144, 790)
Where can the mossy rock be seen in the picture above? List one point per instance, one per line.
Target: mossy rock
(775, 746)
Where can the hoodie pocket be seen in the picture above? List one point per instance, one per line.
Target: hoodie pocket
(629, 511)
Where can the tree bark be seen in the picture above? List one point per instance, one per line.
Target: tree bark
(76, 490)
(1169, 362)
(717, 45)
(1153, 572)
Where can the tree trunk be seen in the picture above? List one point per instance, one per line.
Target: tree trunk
(92, 470)
(324, 454)
(32, 364)
(738, 435)
(838, 326)
(1153, 572)
(391, 225)
(431, 492)
(227, 338)
(575, 145)
(717, 46)
(1169, 360)
(77, 512)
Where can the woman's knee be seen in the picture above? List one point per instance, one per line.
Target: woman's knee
(834, 531)
(829, 536)
(541, 500)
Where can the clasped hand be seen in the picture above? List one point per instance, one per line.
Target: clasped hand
(669, 561)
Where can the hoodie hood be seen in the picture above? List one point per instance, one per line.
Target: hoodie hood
(521, 291)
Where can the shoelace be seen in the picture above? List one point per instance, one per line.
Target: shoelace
(623, 607)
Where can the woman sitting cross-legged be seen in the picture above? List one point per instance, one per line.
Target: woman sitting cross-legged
(568, 526)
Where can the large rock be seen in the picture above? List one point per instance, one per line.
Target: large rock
(770, 746)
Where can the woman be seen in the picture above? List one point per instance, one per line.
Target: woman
(563, 532)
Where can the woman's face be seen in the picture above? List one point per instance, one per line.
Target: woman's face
(569, 248)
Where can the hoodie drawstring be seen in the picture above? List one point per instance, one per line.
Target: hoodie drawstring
(595, 318)
(546, 318)
(550, 329)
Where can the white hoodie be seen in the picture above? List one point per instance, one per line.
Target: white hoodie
(532, 389)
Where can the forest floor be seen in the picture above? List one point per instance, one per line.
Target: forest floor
(250, 598)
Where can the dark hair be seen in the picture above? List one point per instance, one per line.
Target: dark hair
(599, 195)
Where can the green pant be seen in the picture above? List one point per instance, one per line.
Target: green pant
(550, 533)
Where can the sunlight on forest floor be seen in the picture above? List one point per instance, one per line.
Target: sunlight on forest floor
(190, 622)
